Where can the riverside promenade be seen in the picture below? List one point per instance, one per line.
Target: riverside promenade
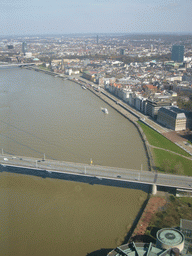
(133, 115)
(127, 111)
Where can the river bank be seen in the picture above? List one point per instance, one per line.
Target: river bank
(154, 204)
(67, 123)
(133, 116)
(114, 103)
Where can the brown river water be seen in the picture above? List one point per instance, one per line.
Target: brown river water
(42, 114)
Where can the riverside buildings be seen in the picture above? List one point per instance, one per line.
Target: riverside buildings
(138, 74)
(159, 106)
(173, 118)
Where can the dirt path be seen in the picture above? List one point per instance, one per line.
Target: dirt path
(189, 158)
(154, 204)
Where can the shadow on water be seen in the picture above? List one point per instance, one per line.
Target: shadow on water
(128, 236)
(92, 180)
(104, 252)
(101, 252)
(85, 179)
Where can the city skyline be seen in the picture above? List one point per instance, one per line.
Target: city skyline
(96, 16)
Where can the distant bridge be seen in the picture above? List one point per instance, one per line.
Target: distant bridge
(100, 172)
(17, 64)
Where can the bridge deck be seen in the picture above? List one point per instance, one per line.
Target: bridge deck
(139, 176)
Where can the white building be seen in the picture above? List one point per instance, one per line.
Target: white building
(173, 118)
(28, 54)
(126, 93)
(68, 71)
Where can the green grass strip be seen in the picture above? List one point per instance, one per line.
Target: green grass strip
(156, 139)
(168, 162)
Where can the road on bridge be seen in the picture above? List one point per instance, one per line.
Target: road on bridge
(146, 177)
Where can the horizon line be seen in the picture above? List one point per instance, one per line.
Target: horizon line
(95, 33)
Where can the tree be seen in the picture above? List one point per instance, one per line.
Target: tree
(166, 166)
(178, 168)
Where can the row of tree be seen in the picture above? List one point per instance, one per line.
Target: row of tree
(184, 101)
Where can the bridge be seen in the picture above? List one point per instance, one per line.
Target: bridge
(17, 64)
(96, 171)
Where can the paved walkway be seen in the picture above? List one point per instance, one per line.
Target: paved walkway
(171, 135)
(189, 158)
(178, 138)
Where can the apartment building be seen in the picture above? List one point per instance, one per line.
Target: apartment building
(173, 118)
(154, 104)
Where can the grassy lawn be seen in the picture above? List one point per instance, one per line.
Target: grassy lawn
(166, 161)
(187, 200)
(158, 140)
(44, 68)
(170, 215)
(171, 163)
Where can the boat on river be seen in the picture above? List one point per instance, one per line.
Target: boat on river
(105, 110)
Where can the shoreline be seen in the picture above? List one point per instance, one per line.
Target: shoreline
(150, 206)
(107, 98)
(132, 118)
(153, 205)
(111, 101)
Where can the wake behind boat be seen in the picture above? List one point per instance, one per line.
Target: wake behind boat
(105, 110)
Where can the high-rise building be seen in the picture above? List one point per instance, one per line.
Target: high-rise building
(62, 65)
(24, 47)
(177, 53)
(97, 39)
(122, 51)
(10, 46)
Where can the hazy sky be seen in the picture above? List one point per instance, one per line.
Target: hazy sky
(22, 17)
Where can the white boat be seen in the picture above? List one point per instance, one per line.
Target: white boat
(105, 110)
(83, 87)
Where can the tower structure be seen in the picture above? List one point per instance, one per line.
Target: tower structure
(24, 47)
(122, 51)
(97, 39)
(177, 53)
(62, 65)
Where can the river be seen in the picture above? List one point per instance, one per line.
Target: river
(42, 114)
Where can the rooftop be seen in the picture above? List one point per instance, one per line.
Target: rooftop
(141, 249)
(174, 112)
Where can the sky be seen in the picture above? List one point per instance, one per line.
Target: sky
(33, 17)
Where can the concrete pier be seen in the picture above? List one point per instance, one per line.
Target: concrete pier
(154, 189)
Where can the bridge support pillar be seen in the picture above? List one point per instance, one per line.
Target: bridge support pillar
(154, 189)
